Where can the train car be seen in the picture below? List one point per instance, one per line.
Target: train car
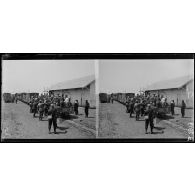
(7, 97)
(130, 95)
(103, 97)
(123, 97)
(26, 97)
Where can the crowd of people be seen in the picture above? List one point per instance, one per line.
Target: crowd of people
(52, 107)
(149, 106)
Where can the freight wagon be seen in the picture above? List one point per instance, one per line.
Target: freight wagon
(122, 97)
(25, 97)
(103, 97)
(8, 98)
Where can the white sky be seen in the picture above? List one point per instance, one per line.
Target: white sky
(34, 75)
(131, 75)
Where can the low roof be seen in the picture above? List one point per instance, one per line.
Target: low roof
(170, 84)
(73, 84)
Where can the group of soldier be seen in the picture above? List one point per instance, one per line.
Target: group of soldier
(49, 106)
(145, 105)
(148, 106)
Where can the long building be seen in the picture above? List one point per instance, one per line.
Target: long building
(80, 89)
(178, 89)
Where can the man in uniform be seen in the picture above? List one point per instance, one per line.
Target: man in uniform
(76, 105)
(87, 109)
(131, 107)
(34, 107)
(40, 109)
(172, 107)
(149, 117)
(137, 110)
(52, 118)
(31, 105)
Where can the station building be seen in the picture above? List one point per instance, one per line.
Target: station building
(178, 89)
(80, 89)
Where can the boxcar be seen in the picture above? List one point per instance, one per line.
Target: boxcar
(103, 97)
(7, 97)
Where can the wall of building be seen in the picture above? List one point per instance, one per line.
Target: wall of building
(81, 95)
(186, 94)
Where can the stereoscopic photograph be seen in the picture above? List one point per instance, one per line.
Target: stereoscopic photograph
(146, 99)
(103, 100)
(48, 99)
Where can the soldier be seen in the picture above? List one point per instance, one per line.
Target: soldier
(87, 109)
(66, 99)
(31, 104)
(131, 107)
(137, 110)
(183, 106)
(40, 109)
(52, 118)
(45, 107)
(111, 98)
(149, 116)
(127, 106)
(172, 107)
(34, 107)
(142, 108)
(76, 105)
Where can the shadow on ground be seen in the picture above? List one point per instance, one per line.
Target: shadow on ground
(62, 128)
(57, 132)
(158, 132)
(159, 128)
(166, 117)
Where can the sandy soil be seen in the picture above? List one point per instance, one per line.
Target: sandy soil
(18, 123)
(115, 123)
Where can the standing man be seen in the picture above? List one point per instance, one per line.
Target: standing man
(137, 110)
(34, 107)
(127, 104)
(52, 118)
(172, 107)
(31, 105)
(131, 107)
(149, 116)
(87, 109)
(76, 106)
(66, 99)
(183, 107)
(41, 110)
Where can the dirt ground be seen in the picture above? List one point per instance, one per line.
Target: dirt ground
(184, 122)
(89, 122)
(18, 123)
(116, 123)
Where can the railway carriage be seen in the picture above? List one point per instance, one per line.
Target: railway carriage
(8, 98)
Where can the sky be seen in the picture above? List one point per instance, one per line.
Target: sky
(35, 75)
(133, 75)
